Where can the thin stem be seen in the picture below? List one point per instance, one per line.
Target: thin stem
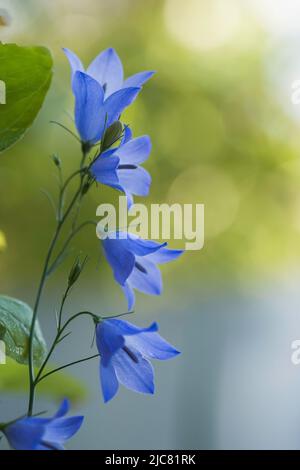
(57, 339)
(79, 314)
(67, 365)
(117, 316)
(77, 172)
(40, 290)
(66, 129)
(66, 293)
(34, 316)
(66, 244)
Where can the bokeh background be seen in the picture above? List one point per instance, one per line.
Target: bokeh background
(225, 133)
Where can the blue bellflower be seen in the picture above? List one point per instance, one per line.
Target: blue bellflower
(107, 69)
(93, 112)
(134, 263)
(125, 349)
(35, 433)
(120, 169)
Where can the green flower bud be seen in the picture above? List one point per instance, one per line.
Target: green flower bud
(112, 135)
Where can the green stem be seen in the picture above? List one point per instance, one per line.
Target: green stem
(57, 338)
(60, 224)
(67, 365)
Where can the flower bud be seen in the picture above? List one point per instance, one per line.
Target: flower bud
(76, 270)
(112, 135)
(56, 160)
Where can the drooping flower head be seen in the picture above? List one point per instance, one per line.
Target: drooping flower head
(125, 350)
(120, 167)
(107, 70)
(36, 433)
(134, 263)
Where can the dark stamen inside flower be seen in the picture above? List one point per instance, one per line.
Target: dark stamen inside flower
(131, 354)
(104, 86)
(140, 267)
(49, 445)
(127, 167)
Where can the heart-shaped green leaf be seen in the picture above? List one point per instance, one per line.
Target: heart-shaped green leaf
(15, 321)
(25, 76)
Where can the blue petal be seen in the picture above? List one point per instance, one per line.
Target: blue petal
(140, 247)
(127, 135)
(134, 181)
(89, 109)
(117, 102)
(146, 277)
(105, 170)
(75, 62)
(109, 340)
(107, 69)
(126, 328)
(119, 257)
(63, 409)
(24, 434)
(138, 79)
(109, 381)
(165, 255)
(130, 296)
(129, 197)
(135, 151)
(151, 345)
(135, 375)
(61, 429)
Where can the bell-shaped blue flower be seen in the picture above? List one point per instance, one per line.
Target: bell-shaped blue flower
(107, 69)
(125, 350)
(93, 112)
(35, 433)
(120, 167)
(134, 263)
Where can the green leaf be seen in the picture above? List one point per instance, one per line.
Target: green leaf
(14, 379)
(15, 321)
(26, 73)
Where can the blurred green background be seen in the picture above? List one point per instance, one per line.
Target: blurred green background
(225, 133)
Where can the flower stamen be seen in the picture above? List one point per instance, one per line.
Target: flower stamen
(131, 354)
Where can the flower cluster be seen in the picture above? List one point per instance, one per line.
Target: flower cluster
(101, 95)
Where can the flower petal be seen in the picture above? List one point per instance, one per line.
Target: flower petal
(127, 135)
(63, 409)
(139, 246)
(24, 434)
(105, 170)
(130, 295)
(109, 340)
(135, 375)
(135, 151)
(134, 181)
(151, 345)
(119, 257)
(117, 102)
(61, 429)
(126, 328)
(138, 79)
(109, 381)
(146, 277)
(107, 69)
(74, 61)
(165, 255)
(89, 109)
